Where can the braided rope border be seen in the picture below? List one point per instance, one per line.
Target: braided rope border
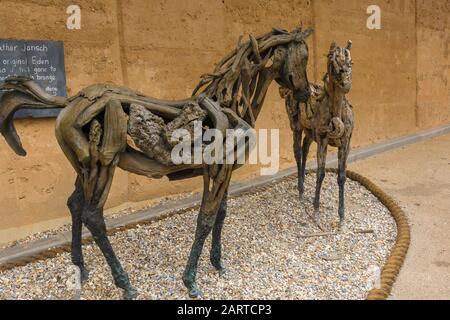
(395, 260)
(390, 269)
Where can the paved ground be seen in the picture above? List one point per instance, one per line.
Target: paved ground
(418, 176)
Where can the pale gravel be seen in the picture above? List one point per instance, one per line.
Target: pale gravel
(264, 254)
(67, 227)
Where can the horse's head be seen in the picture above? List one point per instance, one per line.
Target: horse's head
(340, 66)
(293, 61)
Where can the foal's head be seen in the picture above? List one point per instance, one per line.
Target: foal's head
(340, 67)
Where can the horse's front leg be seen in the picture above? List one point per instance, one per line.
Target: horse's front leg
(322, 144)
(212, 198)
(293, 111)
(342, 176)
(216, 247)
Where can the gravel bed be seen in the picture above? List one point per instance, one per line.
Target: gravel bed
(264, 253)
(67, 227)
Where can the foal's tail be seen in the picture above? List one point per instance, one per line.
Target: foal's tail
(22, 92)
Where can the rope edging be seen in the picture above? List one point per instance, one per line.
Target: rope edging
(397, 256)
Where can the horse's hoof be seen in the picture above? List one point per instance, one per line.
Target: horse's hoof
(219, 267)
(130, 294)
(222, 270)
(194, 292)
(190, 284)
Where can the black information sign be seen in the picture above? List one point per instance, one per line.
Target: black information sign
(41, 60)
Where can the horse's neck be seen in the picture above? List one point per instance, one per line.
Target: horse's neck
(258, 99)
(257, 107)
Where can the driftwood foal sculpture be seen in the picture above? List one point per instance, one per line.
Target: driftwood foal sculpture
(327, 118)
(103, 127)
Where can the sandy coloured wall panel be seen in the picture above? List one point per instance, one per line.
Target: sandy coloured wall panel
(384, 71)
(433, 63)
(179, 41)
(34, 189)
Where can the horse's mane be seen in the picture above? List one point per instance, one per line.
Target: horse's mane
(237, 78)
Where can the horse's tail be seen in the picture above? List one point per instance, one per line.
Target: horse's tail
(22, 92)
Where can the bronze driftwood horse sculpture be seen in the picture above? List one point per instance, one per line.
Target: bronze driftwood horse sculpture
(103, 127)
(327, 118)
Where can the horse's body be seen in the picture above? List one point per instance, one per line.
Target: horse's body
(327, 118)
(95, 126)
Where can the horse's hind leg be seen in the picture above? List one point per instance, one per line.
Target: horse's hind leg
(94, 221)
(298, 153)
(216, 247)
(305, 150)
(96, 192)
(212, 197)
(75, 204)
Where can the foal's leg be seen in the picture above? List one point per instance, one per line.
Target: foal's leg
(212, 197)
(342, 157)
(216, 247)
(75, 204)
(305, 150)
(322, 144)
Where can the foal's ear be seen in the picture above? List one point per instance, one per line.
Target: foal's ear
(349, 45)
(307, 33)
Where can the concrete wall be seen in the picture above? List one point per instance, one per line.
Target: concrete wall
(161, 47)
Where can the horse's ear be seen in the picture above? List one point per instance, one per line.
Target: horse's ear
(349, 45)
(332, 46)
(307, 33)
